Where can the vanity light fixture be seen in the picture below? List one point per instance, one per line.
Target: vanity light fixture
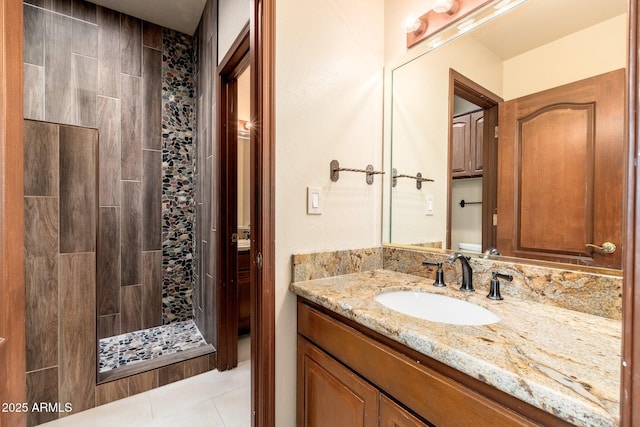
(413, 24)
(444, 14)
(449, 7)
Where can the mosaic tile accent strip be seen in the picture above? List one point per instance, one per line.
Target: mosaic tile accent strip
(178, 198)
(147, 344)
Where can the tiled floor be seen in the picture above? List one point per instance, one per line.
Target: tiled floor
(212, 399)
(146, 344)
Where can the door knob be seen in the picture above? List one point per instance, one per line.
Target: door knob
(606, 248)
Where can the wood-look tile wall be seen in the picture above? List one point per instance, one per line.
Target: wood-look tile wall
(205, 233)
(90, 66)
(61, 208)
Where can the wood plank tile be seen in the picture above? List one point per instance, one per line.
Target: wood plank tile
(131, 45)
(112, 391)
(108, 52)
(108, 253)
(151, 35)
(108, 110)
(152, 99)
(59, 97)
(151, 200)
(131, 234)
(171, 373)
(40, 158)
(196, 366)
(33, 92)
(151, 289)
(84, 79)
(61, 6)
(84, 39)
(131, 303)
(39, 3)
(83, 10)
(143, 382)
(109, 326)
(77, 301)
(198, 239)
(131, 125)
(34, 35)
(213, 361)
(42, 386)
(41, 281)
(78, 198)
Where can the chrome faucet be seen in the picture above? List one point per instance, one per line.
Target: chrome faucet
(467, 272)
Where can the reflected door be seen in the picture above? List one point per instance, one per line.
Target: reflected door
(560, 172)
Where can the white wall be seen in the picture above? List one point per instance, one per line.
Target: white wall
(590, 52)
(329, 66)
(233, 15)
(466, 223)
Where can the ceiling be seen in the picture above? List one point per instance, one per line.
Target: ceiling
(179, 15)
(567, 16)
(535, 23)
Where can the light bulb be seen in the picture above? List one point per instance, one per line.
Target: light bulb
(442, 6)
(411, 23)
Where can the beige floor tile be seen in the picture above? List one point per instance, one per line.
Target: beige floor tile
(212, 399)
(125, 412)
(187, 393)
(235, 407)
(203, 414)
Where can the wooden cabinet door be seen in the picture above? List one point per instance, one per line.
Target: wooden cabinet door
(461, 135)
(476, 122)
(329, 394)
(560, 172)
(466, 145)
(393, 415)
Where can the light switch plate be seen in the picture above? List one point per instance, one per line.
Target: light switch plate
(429, 205)
(314, 201)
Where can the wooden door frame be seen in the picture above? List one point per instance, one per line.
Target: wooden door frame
(263, 333)
(230, 68)
(471, 91)
(630, 387)
(12, 286)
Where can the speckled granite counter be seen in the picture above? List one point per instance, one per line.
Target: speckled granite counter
(562, 361)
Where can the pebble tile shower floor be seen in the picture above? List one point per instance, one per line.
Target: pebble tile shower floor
(147, 344)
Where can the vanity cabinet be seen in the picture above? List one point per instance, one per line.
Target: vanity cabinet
(336, 396)
(244, 296)
(349, 375)
(466, 149)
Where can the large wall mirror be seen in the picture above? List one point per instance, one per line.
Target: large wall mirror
(542, 185)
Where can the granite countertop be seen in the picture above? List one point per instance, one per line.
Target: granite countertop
(561, 361)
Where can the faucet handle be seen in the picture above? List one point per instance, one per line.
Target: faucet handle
(494, 288)
(439, 274)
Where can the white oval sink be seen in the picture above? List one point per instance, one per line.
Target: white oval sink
(437, 308)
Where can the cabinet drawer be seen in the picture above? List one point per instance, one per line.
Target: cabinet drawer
(430, 394)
